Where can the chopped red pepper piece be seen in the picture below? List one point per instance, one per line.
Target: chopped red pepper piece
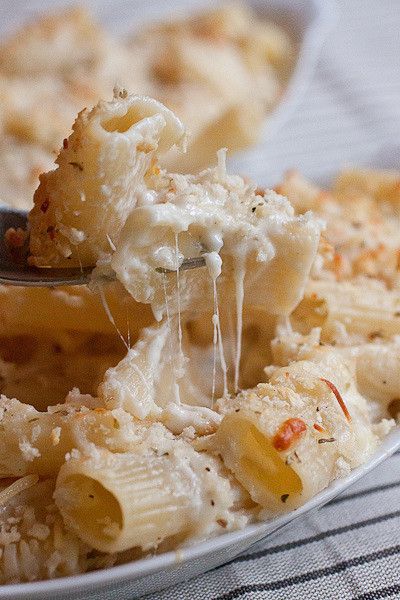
(338, 397)
(288, 433)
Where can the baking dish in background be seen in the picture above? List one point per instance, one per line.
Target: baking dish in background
(307, 23)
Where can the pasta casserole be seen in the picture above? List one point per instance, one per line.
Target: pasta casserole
(60, 63)
(165, 405)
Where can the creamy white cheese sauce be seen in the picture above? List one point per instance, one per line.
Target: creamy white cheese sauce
(100, 289)
(239, 232)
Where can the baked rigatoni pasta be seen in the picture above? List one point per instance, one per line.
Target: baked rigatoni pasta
(378, 374)
(287, 439)
(362, 308)
(208, 399)
(140, 499)
(34, 442)
(81, 206)
(132, 130)
(222, 216)
(71, 308)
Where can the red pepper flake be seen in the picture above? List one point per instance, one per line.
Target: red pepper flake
(338, 397)
(45, 205)
(337, 261)
(51, 231)
(222, 522)
(288, 433)
(65, 144)
(318, 427)
(374, 335)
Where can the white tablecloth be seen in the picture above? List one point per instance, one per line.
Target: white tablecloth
(349, 549)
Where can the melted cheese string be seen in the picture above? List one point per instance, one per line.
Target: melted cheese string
(239, 295)
(215, 336)
(231, 337)
(217, 323)
(128, 327)
(79, 259)
(214, 265)
(109, 315)
(178, 294)
(167, 312)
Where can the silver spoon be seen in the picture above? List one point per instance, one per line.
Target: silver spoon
(14, 269)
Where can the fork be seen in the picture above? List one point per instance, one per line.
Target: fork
(14, 269)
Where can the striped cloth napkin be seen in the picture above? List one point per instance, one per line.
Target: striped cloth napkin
(349, 549)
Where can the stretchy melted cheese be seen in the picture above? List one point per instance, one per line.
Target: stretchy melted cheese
(248, 238)
(117, 207)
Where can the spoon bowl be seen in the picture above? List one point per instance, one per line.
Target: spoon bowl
(15, 270)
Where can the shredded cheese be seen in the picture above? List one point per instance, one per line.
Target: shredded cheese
(17, 487)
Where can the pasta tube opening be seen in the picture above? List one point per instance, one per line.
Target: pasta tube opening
(121, 123)
(116, 502)
(257, 465)
(94, 508)
(83, 204)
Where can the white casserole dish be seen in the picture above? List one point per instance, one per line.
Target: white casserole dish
(308, 21)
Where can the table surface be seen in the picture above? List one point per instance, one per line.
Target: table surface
(349, 549)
